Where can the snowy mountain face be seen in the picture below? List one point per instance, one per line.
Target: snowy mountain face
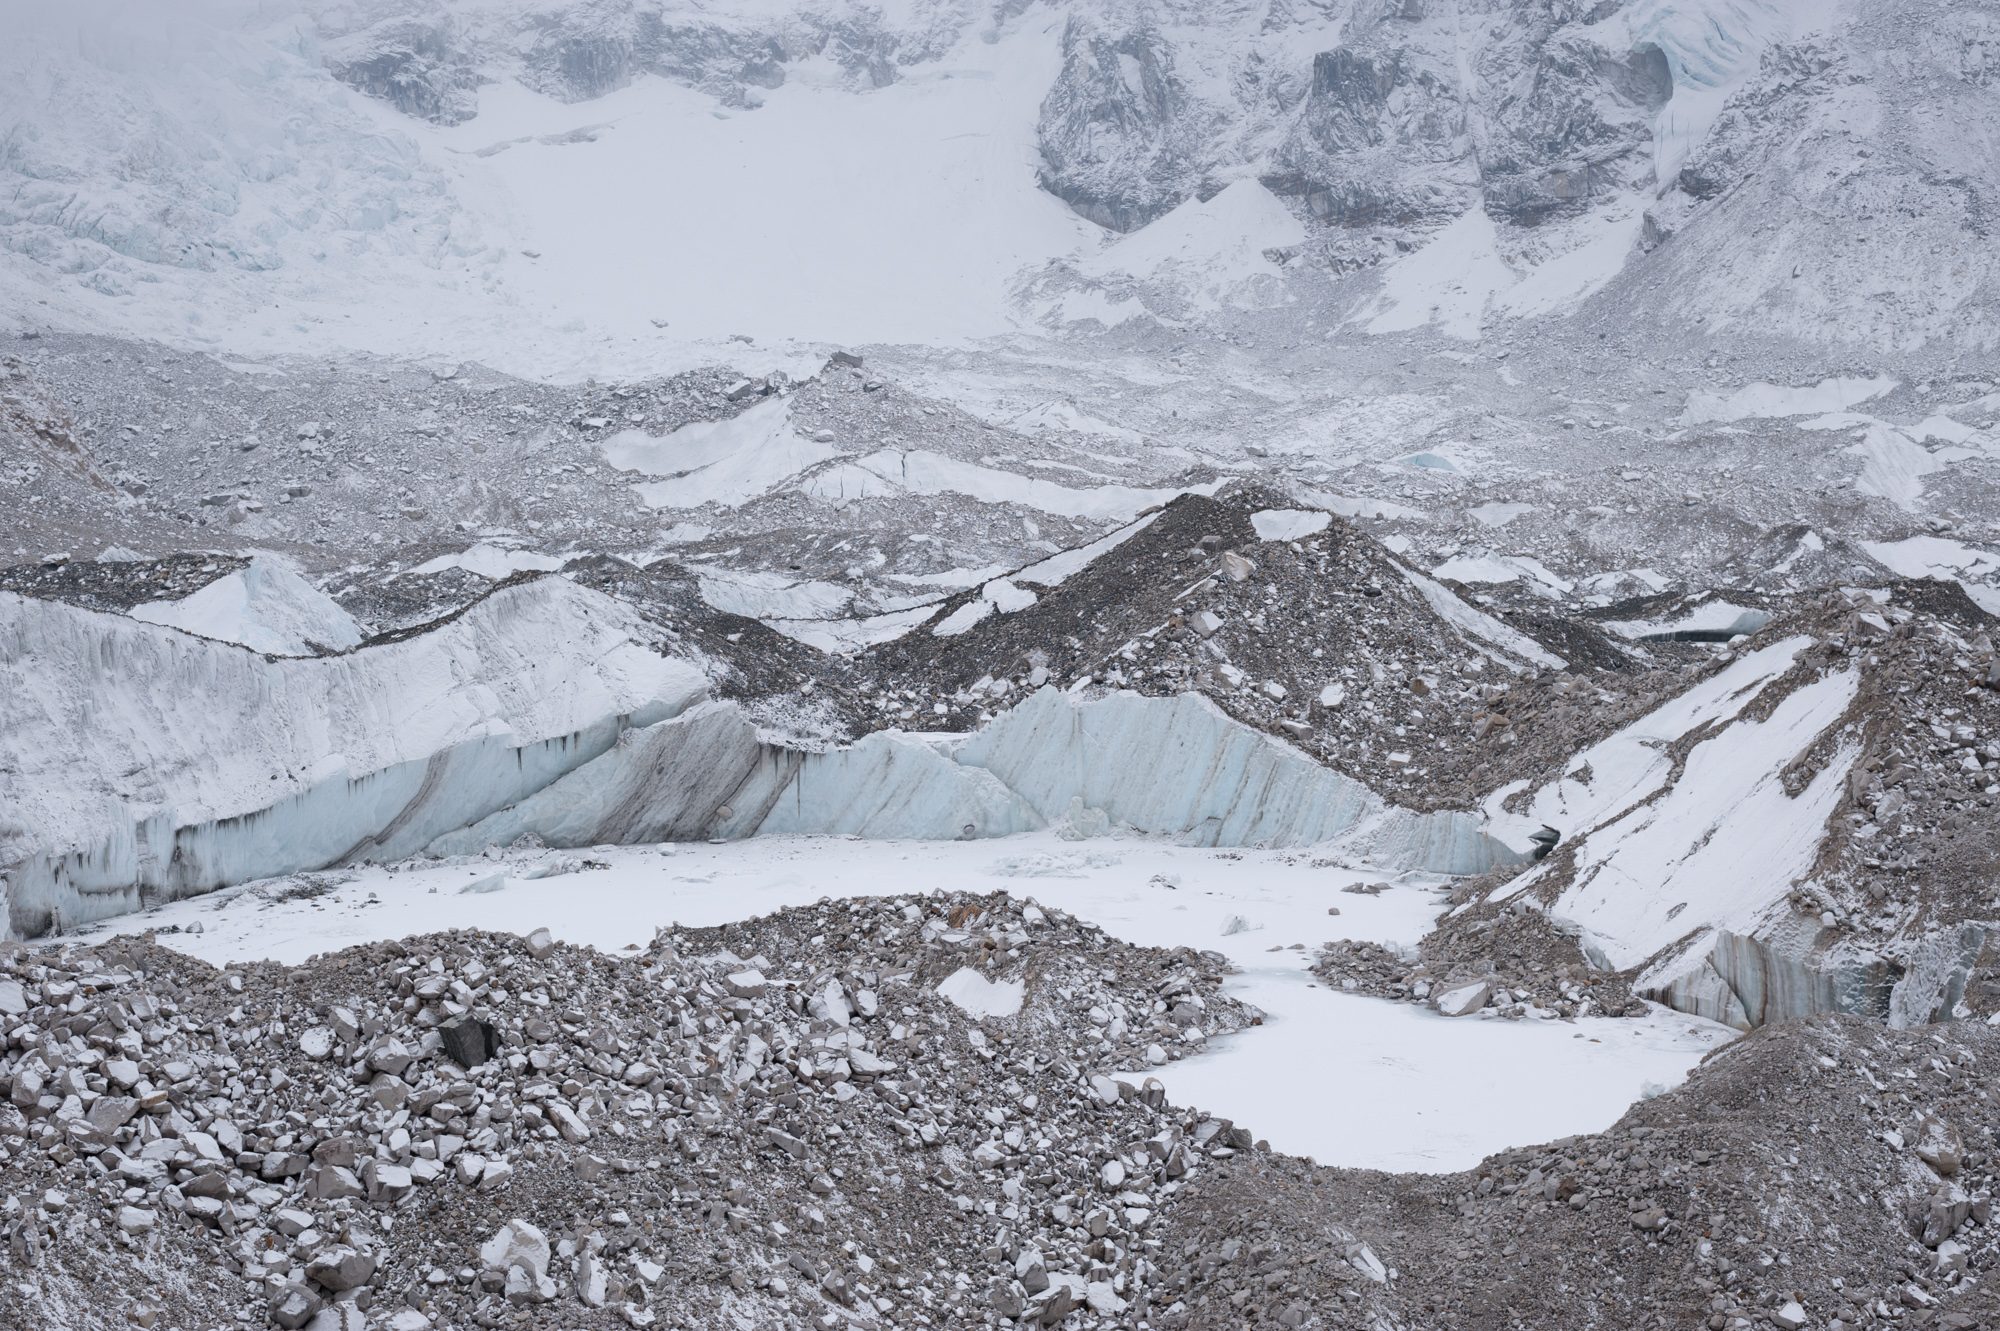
(1399, 571)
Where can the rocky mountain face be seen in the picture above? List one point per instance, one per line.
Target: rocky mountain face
(429, 67)
(1123, 138)
(1850, 137)
(1422, 111)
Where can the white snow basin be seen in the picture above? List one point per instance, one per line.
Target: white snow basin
(1345, 1080)
(1368, 1084)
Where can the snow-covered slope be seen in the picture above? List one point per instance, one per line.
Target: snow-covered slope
(267, 607)
(1840, 195)
(636, 183)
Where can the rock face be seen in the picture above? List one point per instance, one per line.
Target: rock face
(1414, 116)
(1393, 132)
(1813, 124)
(1123, 139)
(1381, 139)
(431, 68)
(420, 68)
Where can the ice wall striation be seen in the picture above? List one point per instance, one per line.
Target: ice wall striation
(1170, 766)
(126, 739)
(1747, 981)
(707, 773)
(386, 815)
(1180, 767)
(660, 769)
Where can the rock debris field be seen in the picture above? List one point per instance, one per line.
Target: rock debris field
(897, 1112)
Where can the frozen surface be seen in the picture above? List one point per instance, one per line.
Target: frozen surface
(1767, 400)
(494, 562)
(267, 607)
(1363, 1083)
(1211, 251)
(1348, 1081)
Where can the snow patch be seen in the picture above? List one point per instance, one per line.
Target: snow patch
(977, 996)
(1507, 647)
(495, 563)
(268, 607)
(962, 619)
(1060, 568)
(1766, 400)
(1976, 570)
(920, 472)
(727, 462)
(1211, 251)
(1288, 524)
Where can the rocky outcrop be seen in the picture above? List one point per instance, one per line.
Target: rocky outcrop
(430, 67)
(421, 68)
(1583, 130)
(1382, 138)
(1411, 120)
(1121, 135)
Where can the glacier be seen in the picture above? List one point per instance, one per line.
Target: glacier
(139, 753)
(549, 711)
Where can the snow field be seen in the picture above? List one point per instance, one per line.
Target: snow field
(1345, 1080)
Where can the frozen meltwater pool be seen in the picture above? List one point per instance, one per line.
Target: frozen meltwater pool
(1342, 1079)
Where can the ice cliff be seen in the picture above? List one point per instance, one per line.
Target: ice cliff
(156, 764)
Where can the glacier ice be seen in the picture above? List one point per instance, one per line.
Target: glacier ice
(1180, 767)
(538, 713)
(139, 754)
